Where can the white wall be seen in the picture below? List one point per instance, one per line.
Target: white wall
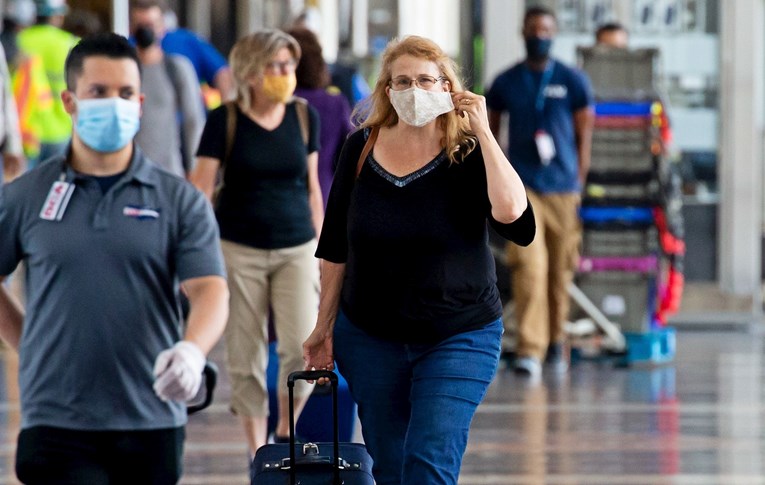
(438, 20)
(741, 156)
(502, 22)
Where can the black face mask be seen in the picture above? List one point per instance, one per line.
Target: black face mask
(144, 37)
(537, 48)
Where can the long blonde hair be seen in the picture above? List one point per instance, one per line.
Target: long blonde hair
(458, 139)
(250, 55)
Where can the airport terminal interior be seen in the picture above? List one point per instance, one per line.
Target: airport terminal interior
(697, 420)
(655, 394)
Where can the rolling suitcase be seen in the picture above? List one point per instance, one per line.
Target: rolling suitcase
(313, 424)
(324, 463)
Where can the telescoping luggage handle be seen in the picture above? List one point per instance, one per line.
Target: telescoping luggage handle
(314, 375)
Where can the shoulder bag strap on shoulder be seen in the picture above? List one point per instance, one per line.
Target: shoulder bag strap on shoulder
(230, 133)
(173, 72)
(175, 79)
(301, 106)
(230, 130)
(367, 148)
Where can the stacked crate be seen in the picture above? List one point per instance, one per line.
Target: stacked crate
(624, 266)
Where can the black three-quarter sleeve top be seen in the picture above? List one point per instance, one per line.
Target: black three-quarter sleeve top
(418, 264)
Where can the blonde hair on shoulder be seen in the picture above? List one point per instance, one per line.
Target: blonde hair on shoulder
(377, 110)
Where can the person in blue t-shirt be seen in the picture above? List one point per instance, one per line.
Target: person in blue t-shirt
(209, 64)
(551, 120)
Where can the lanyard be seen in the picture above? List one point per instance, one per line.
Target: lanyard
(539, 105)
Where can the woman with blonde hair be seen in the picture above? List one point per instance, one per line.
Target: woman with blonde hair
(269, 210)
(409, 305)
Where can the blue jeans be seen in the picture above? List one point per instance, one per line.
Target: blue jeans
(416, 402)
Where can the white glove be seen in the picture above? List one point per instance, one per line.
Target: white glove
(178, 372)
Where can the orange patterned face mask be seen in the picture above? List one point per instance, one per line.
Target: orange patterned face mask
(279, 88)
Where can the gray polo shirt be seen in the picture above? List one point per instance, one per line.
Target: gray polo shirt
(101, 291)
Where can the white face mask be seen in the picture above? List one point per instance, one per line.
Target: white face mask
(418, 107)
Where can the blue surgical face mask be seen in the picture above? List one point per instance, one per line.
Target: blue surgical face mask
(107, 124)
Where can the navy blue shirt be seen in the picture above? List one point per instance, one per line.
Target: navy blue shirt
(567, 90)
(101, 291)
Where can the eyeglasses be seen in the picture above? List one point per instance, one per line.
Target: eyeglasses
(423, 82)
(281, 66)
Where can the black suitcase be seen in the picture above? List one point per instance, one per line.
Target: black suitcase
(322, 463)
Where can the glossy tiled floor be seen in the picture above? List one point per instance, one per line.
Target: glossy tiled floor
(697, 421)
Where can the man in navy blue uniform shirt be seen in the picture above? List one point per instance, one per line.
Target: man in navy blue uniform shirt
(551, 120)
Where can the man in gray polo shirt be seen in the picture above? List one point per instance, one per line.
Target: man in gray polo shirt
(107, 238)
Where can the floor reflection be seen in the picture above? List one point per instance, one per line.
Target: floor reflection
(695, 421)
(10, 417)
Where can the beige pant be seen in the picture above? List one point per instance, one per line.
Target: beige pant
(542, 271)
(287, 280)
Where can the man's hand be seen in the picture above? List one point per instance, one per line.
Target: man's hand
(178, 372)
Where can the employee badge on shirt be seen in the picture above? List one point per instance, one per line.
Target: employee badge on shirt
(545, 146)
(58, 198)
(140, 212)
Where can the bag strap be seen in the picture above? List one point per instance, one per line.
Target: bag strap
(175, 79)
(367, 148)
(230, 131)
(301, 106)
(175, 76)
(229, 144)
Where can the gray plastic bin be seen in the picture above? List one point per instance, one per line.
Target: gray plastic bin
(623, 163)
(635, 242)
(627, 299)
(621, 74)
(635, 193)
(615, 141)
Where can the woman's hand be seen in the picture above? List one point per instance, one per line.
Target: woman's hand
(318, 351)
(474, 106)
(506, 192)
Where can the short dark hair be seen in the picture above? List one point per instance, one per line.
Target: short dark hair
(538, 11)
(106, 44)
(609, 27)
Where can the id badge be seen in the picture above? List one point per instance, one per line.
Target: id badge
(55, 204)
(545, 146)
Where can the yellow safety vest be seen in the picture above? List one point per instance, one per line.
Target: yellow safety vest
(51, 45)
(34, 101)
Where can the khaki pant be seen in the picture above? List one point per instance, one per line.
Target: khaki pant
(287, 280)
(541, 273)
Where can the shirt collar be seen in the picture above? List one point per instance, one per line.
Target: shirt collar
(138, 169)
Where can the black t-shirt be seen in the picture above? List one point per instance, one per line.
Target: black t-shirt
(418, 264)
(264, 201)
